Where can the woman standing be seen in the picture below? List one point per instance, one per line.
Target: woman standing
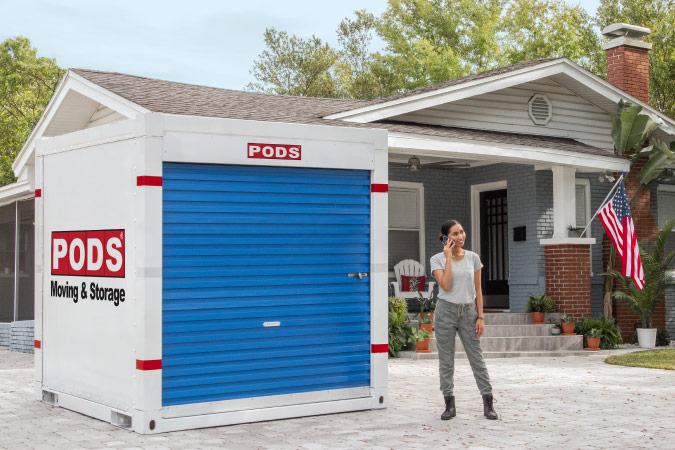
(460, 310)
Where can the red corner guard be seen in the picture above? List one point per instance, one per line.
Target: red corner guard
(38, 193)
(153, 364)
(379, 348)
(379, 188)
(38, 344)
(147, 180)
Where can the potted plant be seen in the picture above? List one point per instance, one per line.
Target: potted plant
(555, 328)
(426, 323)
(573, 231)
(656, 265)
(593, 339)
(567, 325)
(421, 338)
(539, 305)
(427, 305)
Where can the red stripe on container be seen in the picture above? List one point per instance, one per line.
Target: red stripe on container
(379, 348)
(38, 193)
(379, 188)
(38, 344)
(147, 180)
(152, 364)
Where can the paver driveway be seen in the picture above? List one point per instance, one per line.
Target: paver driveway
(561, 403)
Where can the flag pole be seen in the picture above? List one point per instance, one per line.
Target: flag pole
(603, 203)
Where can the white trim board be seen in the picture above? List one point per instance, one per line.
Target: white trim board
(476, 189)
(478, 150)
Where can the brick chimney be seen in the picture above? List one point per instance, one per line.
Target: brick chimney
(628, 59)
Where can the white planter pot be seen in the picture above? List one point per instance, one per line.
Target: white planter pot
(646, 337)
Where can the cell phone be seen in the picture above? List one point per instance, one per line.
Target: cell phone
(445, 240)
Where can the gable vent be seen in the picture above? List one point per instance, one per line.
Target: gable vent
(540, 109)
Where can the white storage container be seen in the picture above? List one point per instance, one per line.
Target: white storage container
(195, 272)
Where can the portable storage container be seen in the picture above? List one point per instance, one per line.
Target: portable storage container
(194, 272)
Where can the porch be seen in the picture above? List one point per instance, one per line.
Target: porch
(513, 205)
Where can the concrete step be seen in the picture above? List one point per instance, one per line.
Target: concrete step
(522, 344)
(517, 330)
(492, 355)
(514, 318)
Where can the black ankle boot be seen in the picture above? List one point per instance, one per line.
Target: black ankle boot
(450, 410)
(488, 409)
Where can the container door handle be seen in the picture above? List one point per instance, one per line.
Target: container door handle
(361, 275)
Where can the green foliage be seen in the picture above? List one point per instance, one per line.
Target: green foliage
(398, 333)
(540, 303)
(659, 16)
(657, 279)
(611, 334)
(594, 333)
(630, 129)
(425, 319)
(427, 304)
(26, 85)
(662, 338)
(566, 318)
(418, 335)
(426, 42)
(295, 66)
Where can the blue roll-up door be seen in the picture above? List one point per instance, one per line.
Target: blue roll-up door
(257, 300)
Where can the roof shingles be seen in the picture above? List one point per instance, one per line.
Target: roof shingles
(187, 99)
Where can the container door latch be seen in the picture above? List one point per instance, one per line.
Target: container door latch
(361, 275)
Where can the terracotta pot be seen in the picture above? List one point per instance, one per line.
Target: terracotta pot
(427, 326)
(423, 346)
(537, 318)
(431, 316)
(593, 344)
(427, 314)
(568, 329)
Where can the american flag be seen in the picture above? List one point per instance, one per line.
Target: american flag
(618, 222)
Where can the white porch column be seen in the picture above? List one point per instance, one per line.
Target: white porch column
(564, 203)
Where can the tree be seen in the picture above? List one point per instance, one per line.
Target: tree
(432, 41)
(295, 66)
(659, 16)
(26, 86)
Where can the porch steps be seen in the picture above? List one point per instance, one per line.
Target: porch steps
(509, 335)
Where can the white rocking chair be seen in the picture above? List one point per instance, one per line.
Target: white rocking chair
(410, 268)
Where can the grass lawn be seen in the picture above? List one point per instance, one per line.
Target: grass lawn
(652, 359)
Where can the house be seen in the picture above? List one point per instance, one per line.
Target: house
(519, 155)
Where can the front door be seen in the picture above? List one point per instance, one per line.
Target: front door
(494, 248)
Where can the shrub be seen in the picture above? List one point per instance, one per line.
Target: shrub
(398, 333)
(540, 303)
(662, 338)
(611, 334)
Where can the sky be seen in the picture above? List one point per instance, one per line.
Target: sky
(206, 42)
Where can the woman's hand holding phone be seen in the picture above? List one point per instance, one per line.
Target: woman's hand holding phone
(447, 247)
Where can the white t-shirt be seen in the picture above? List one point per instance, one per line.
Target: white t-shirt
(462, 288)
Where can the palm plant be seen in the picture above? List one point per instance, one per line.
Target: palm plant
(656, 266)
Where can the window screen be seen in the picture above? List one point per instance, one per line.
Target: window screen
(405, 212)
(580, 194)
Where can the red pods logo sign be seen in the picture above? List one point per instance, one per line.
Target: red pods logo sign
(274, 151)
(98, 253)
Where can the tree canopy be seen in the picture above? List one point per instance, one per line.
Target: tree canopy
(26, 85)
(432, 41)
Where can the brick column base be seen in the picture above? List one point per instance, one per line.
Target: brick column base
(568, 278)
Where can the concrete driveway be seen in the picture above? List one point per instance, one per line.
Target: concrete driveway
(561, 403)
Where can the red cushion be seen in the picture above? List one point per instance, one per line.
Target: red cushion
(407, 286)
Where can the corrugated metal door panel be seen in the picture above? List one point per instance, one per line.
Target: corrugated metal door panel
(246, 245)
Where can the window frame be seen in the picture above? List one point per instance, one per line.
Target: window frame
(586, 183)
(665, 188)
(419, 187)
